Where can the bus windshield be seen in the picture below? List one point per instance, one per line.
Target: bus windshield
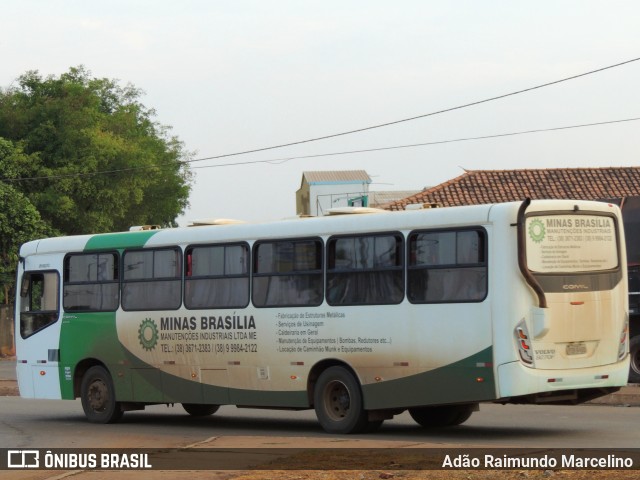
(569, 244)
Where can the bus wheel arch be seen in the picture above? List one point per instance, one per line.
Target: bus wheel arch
(97, 394)
(318, 369)
(338, 401)
(81, 369)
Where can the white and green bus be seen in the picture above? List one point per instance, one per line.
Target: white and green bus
(359, 317)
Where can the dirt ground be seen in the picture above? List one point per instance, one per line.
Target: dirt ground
(441, 475)
(8, 388)
(383, 464)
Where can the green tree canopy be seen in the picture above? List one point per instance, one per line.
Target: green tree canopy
(19, 219)
(97, 159)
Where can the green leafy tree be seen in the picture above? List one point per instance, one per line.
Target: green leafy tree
(19, 219)
(99, 162)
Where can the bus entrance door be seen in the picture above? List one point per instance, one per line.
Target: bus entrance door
(39, 311)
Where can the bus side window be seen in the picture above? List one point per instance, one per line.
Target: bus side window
(287, 273)
(39, 306)
(90, 282)
(217, 276)
(447, 266)
(152, 279)
(365, 270)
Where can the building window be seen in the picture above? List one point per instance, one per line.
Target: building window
(447, 266)
(151, 279)
(91, 282)
(365, 270)
(287, 273)
(217, 276)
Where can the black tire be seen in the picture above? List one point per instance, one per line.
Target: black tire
(199, 409)
(338, 402)
(444, 416)
(634, 353)
(98, 396)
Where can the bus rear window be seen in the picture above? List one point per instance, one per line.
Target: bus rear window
(571, 243)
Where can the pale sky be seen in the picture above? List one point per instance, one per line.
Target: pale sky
(235, 75)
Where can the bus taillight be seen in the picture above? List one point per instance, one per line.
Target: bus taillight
(624, 338)
(524, 346)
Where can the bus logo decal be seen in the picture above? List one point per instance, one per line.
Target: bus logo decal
(579, 286)
(148, 334)
(537, 230)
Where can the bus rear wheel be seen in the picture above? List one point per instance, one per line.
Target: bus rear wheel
(444, 416)
(199, 409)
(98, 396)
(338, 402)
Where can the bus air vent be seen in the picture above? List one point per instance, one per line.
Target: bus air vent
(215, 221)
(354, 210)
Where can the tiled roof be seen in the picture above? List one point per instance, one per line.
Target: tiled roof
(341, 176)
(381, 199)
(493, 186)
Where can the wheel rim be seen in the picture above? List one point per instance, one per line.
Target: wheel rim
(337, 400)
(98, 396)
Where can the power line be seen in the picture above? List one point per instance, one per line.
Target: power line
(347, 152)
(395, 122)
(412, 145)
(106, 172)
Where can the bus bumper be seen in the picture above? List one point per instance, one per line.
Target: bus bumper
(520, 384)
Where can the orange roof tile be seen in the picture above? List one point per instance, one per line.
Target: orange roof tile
(476, 187)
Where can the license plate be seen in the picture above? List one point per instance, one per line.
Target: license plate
(576, 349)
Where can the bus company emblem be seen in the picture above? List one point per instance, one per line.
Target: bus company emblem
(148, 334)
(537, 231)
(577, 286)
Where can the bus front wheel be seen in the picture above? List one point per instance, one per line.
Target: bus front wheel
(98, 396)
(199, 409)
(338, 402)
(444, 416)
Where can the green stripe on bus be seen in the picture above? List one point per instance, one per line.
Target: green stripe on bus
(152, 385)
(90, 338)
(110, 241)
(455, 383)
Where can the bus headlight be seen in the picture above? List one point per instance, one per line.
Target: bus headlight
(624, 340)
(524, 343)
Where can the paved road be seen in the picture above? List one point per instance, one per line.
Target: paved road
(58, 424)
(51, 423)
(55, 424)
